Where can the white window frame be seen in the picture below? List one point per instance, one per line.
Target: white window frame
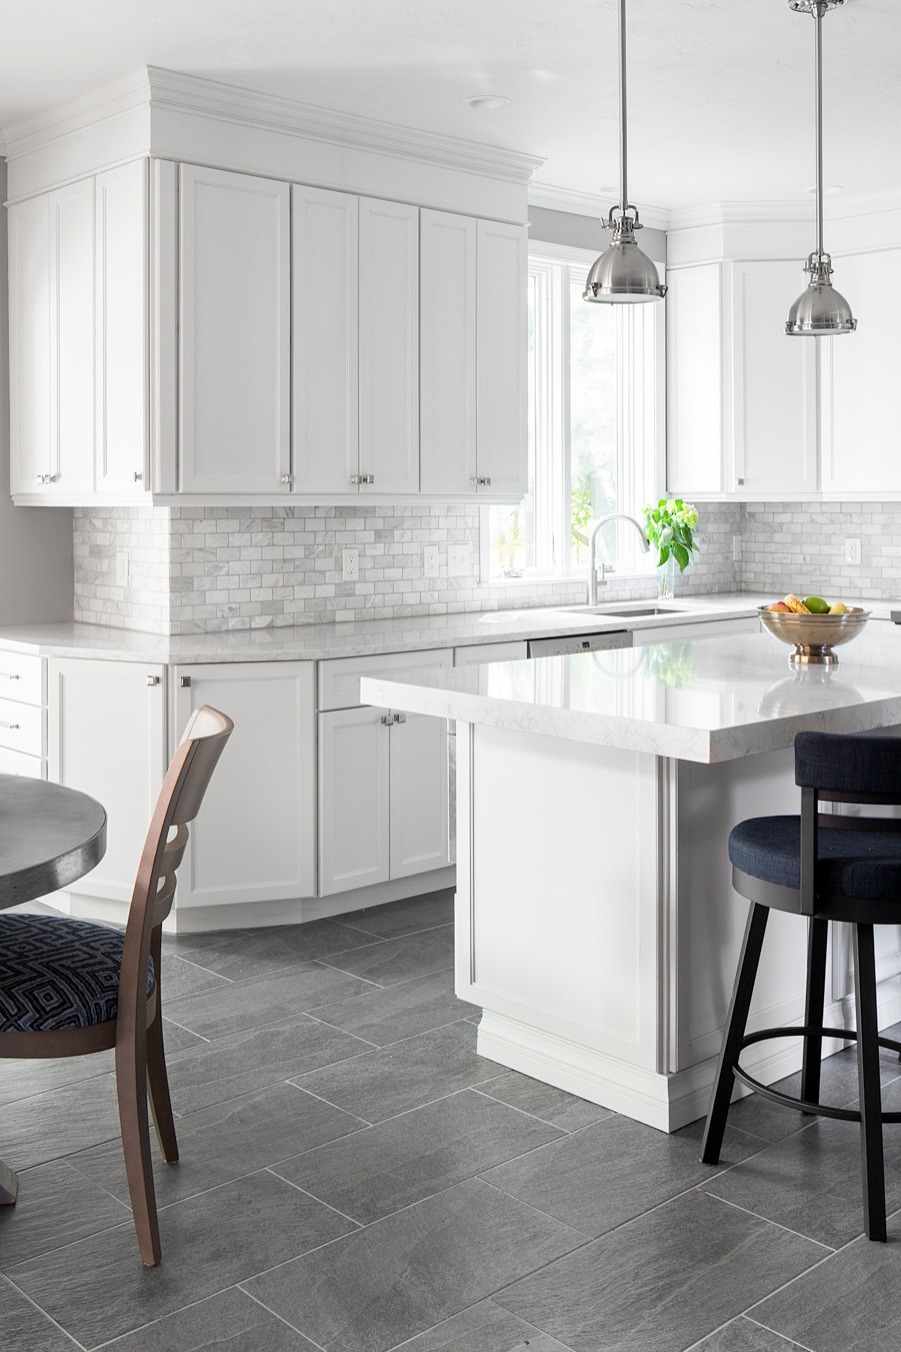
(639, 479)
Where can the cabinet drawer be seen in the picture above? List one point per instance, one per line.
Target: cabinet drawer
(22, 727)
(17, 763)
(339, 678)
(21, 677)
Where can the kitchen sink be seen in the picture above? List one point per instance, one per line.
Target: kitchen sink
(628, 612)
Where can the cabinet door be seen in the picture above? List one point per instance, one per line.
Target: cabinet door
(325, 369)
(106, 724)
(447, 360)
(694, 359)
(255, 837)
(501, 358)
(122, 329)
(418, 756)
(861, 440)
(29, 345)
(774, 385)
(235, 332)
(389, 346)
(353, 799)
(72, 339)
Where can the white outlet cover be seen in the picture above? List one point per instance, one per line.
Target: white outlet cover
(121, 567)
(457, 560)
(430, 561)
(350, 565)
(852, 550)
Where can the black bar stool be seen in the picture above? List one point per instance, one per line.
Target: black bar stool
(827, 868)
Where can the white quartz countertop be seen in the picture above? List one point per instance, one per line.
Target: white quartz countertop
(706, 700)
(356, 638)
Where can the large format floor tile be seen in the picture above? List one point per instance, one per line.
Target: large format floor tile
(234, 1008)
(228, 1322)
(598, 1178)
(662, 1282)
(378, 1287)
(254, 1059)
(848, 1304)
(485, 1327)
(25, 1329)
(384, 1083)
(743, 1335)
(392, 960)
(22, 1079)
(224, 1142)
(241, 955)
(56, 1206)
(182, 978)
(47, 1126)
(384, 1015)
(98, 1289)
(404, 917)
(415, 1155)
(543, 1100)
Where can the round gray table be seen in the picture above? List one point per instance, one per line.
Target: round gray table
(49, 836)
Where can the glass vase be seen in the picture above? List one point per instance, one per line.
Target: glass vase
(666, 580)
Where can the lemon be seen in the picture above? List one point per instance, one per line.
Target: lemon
(816, 605)
(839, 608)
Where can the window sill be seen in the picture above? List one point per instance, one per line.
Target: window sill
(569, 580)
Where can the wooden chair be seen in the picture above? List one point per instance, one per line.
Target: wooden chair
(83, 988)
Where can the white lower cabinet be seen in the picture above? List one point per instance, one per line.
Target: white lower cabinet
(255, 837)
(354, 777)
(418, 797)
(106, 735)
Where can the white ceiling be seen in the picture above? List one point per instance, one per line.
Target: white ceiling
(721, 91)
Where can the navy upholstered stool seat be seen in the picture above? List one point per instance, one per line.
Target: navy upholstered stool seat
(826, 867)
(56, 973)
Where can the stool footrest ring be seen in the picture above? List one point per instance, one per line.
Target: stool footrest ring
(803, 1105)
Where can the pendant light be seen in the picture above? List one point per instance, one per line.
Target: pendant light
(820, 311)
(623, 273)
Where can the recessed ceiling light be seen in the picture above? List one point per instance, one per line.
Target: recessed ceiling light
(831, 190)
(481, 101)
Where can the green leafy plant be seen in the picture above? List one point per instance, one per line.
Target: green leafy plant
(669, 528)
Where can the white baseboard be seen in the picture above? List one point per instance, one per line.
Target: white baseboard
(260, 914)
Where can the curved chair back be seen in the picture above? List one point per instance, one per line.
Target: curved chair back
(180, 797)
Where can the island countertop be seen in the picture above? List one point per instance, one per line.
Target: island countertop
(708, 700)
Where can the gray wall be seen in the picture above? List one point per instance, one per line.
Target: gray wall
(36, 572)
(584, 232)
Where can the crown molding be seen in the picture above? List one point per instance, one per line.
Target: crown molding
(863, 204)
(588, 204)
(109, 100)
(742, 213)
(157, 88)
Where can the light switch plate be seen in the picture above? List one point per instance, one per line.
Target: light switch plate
(430, 561)
(350, 560)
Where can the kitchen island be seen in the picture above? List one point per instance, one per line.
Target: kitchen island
(595, 921)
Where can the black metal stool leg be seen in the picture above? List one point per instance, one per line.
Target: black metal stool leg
(817, 936)
(735, 1030)
(872, 1163)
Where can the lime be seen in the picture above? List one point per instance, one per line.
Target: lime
(816, 605)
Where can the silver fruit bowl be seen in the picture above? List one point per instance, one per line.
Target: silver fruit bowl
(813, 637)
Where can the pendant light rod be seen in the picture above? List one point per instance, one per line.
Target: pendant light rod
(623, 128)
(819, 11)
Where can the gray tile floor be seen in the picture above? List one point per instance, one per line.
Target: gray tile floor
(354, 1178)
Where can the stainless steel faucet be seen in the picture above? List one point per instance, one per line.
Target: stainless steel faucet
(593, 581)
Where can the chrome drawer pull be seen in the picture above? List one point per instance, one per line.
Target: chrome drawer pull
(10, 675)
(10, 727)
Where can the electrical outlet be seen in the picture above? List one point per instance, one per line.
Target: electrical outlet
(350, 565)
(852, 551)
(736, 549)
(430, 561)
(457, 560)
(121, 567)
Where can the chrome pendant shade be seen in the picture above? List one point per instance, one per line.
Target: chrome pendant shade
(820, 311)
(623, 273)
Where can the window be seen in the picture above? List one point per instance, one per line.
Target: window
(594, 425)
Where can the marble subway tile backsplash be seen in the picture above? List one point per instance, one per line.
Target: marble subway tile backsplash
(194, 569)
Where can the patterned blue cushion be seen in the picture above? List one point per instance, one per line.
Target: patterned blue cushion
(58, 973)
(865, 865)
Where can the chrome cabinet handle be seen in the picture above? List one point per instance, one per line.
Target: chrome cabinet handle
(10, 675)
(387, 720)
(10, 727)
(362, 478)
(400, 718)
(184, 682)
(481, 481)
(153, 680)
(138, 476)
(287, 479)
(43, 478)
(390, 719)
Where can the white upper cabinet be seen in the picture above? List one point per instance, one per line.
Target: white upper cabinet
(234, 370)
(501, 347)
(389, 347)
(774, 385)
(122, 323)
(73, 339)
(694, 357)
(29, 344)
(861, 439)
(325, 370)
(448, 353)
